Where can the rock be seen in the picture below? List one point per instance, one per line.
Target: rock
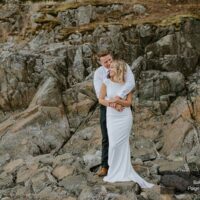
(92, 160)
(41, 179)
(137, 66)
(6, 180)
(17, 80)
(52, 193)
(78, 67)
(70, 198)
(139, 9)
(65, 159)
(194, 166)
(143, 143)
(4, 158)
(56, 49)
(174, 133)
(183, 196)
(13, 165)
(26, 172)
(152, 194)
(6, 198)
(19, 192)
(63, 171)
(154, 172)
(159, 145)
(98, 32)
(176, 80)
(169, 167)
(175, 157)
(123, 188)
(84, 14)
(138, 161)
(67, 17)
(85, 147)
(78, 101)
(142, 170)
(176, 54)
(98, 192)
(154, 84)
(73, 184)
(197, 109)
(179, 107)
(143, 150)
(45, 159)
(42, 38)
(178, 63)
(75, 38)
(115, 7)
(176, 182)
(145, 30)
(190, 30)
(47, 95)
(34, 138)
(146, 124)
(85, 134)
(166, 41)
(192, 159)
(189, 142)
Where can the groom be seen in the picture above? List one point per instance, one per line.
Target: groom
(106, 58)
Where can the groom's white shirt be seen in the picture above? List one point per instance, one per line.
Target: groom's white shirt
(101, 73)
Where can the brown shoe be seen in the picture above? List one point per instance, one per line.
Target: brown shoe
(102, 172)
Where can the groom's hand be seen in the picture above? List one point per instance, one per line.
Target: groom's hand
(112, 104)
(116, 106)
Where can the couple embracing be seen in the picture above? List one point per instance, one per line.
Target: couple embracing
(113, 83)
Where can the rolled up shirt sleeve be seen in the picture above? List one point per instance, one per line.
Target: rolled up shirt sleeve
(97, 81)
(129, 83)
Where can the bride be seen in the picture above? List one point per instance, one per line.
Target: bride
(119, 123)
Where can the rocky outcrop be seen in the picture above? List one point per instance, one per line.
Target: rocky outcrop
(50, 140)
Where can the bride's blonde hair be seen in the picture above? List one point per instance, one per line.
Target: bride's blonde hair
(121, 69)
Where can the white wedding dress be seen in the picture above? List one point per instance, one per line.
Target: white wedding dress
(119, 126)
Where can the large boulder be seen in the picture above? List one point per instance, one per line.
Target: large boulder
(179, 125)
(17, 80)
(172, 53)
(191, 31)
(78, 101)
(86, 143)
(153, 84)
(84, 14)
(48, 94)
(34, 131)
(145, 123)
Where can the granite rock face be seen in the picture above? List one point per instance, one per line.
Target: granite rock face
(50, 138)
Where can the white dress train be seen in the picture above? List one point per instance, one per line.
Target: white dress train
(119, 127)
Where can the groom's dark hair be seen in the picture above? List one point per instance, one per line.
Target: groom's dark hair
(103, 53)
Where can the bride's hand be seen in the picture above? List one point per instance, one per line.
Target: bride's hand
(119, 107)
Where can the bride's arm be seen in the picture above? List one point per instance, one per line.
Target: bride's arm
(124, 102)
(102, 96)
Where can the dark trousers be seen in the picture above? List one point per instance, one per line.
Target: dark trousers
(105, 142)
